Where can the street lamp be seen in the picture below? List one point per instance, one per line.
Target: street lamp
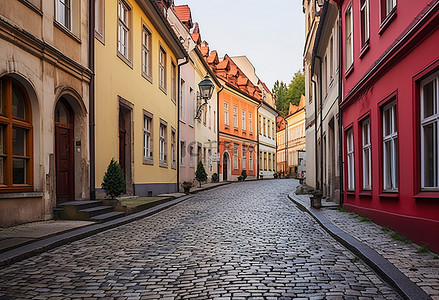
(206, 88)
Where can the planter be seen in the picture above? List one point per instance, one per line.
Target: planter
(316, 202)
(187, 189)
(301, 180)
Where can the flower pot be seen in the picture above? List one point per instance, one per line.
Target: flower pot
(316, 202)
(187, 189)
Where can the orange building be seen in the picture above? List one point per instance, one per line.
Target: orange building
(238, 103)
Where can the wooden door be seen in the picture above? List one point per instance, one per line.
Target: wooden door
(122, 149)
(225, 167)
(64, 163)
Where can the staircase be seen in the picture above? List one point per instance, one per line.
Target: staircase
(88, 211)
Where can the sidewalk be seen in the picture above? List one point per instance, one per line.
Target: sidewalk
(25, 240)
(411, 269)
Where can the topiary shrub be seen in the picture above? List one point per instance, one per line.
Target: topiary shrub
(200, 174)
(114, 181)
(244, 175)
(215, 177)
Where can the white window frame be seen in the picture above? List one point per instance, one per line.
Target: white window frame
(123, 29)
(243, 120)
(367, 155)
(162, 68)
(235, 116)
(182, 152)
(146, 52)
(63, 10)
(235, 157)
(389, 6)
(350, 160)
(349, 45)
(392, 139)
(244, 158)
(431, 120)
(250, 160)
(162, 143)
(173, 82)
(226, 113)
(173, 148)
(365, 32)
(191, 156)
(147, 137)
(250, 122)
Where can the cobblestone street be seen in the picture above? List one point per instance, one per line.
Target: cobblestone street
(239, 241)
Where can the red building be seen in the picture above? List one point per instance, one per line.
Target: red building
(390, 113)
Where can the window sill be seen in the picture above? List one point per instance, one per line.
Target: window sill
(364, 50)
(349, 71)
(147, 77)
(128, 62)
(389, 195)
(427, 195)
(163, 90)
(350, 193)
(33, 7)
(173, 166)
(100, 37)
(365, 194)
(148, 161)
(163, 165)
(386, 22)
(9, 194)
(66, 31)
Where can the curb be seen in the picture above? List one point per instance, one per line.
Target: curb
(43, 245)
(391, 274)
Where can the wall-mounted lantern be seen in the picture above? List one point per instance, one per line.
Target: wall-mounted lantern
(206, 88)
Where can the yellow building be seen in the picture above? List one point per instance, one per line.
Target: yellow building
(136, 95)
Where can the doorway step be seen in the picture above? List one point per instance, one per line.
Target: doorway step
(89, 210)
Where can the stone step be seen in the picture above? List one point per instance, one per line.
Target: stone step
(107, 217)
(78, 205)
(94, 211)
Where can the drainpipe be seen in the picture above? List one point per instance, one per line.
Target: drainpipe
(315, 131)
(286, 145)
(91, 98)
(178, 121)
(340, 97)
(218, 130)
(257, 111)
(321, 123)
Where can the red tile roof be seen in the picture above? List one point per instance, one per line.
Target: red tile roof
(183, 13)
(196, 37)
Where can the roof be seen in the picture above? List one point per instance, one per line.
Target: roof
(183, 13)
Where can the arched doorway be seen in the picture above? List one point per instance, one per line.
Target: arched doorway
(225, 166)
(64, 155)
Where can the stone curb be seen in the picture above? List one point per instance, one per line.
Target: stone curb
(43, 245)
(391, 274)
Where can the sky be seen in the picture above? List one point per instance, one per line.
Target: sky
(270, 33)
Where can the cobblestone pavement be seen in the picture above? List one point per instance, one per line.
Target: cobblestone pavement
(240, 241)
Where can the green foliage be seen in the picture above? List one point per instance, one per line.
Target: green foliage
(355, 259)
(364, 219)
(215, 177)
(342, 209)
(284, 94)
(244, 174)
(385, 229)
(423, 249)
(200, 174)
(398, 237)
(114, 181)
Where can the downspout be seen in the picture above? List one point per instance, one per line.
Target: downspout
(257, 110)
(91, 98)
(340, 98)
(286, 146)
(218, 131)
(321, 122)
(315, 131)
(178, 122)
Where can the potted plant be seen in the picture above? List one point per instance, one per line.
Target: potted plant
(200, 174)
(114, 181)
(215, 177)
(316, 199)
(186, 185)
(243, 175)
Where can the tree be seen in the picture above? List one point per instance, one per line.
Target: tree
(280, 95)
(114, 181)
(285, 95)
(200, 174)
(296, 88)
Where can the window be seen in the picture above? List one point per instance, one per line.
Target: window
(260, 125)
(264, 127)
(173, 149)
(244, 158)
(235, 116)
(250, 160)
(226, 114)
(429, 132)
(123, 29)
(269, 161)
(214, 121)
(273, 128)
(367, 155)
(182, 152)
(162, 145)
(390, 148)
(235, 157)
(348, 33)
(147, 137)
(350, 154)
(191, 156)
(265, 161)
(146, 53)
(331, 59)
(324, 76)
(182, 100)
(204, 115)
(34, 3)
(250, 122)
(210, 117)
(15, 137)
(387, 7)
(173, 82)
(261, 166)
(63, 13)
(243, 120)
(364, 13)
(162, 69)
(99, 19)
(268, 128)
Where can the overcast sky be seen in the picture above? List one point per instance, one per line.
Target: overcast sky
(270, 33)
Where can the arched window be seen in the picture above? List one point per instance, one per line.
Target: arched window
(15, 137)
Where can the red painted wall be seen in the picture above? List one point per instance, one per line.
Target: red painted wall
(412, 212)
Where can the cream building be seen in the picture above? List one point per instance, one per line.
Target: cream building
(295, 137)
(44, 109)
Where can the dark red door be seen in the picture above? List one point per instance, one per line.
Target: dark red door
(64, 163)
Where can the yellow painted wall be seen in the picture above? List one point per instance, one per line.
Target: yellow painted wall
(115, 78)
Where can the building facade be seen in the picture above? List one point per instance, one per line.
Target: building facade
(325, 73)
(137, 67)
(281, 146)
(295, 138)
(390, 86)
(44, 107)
